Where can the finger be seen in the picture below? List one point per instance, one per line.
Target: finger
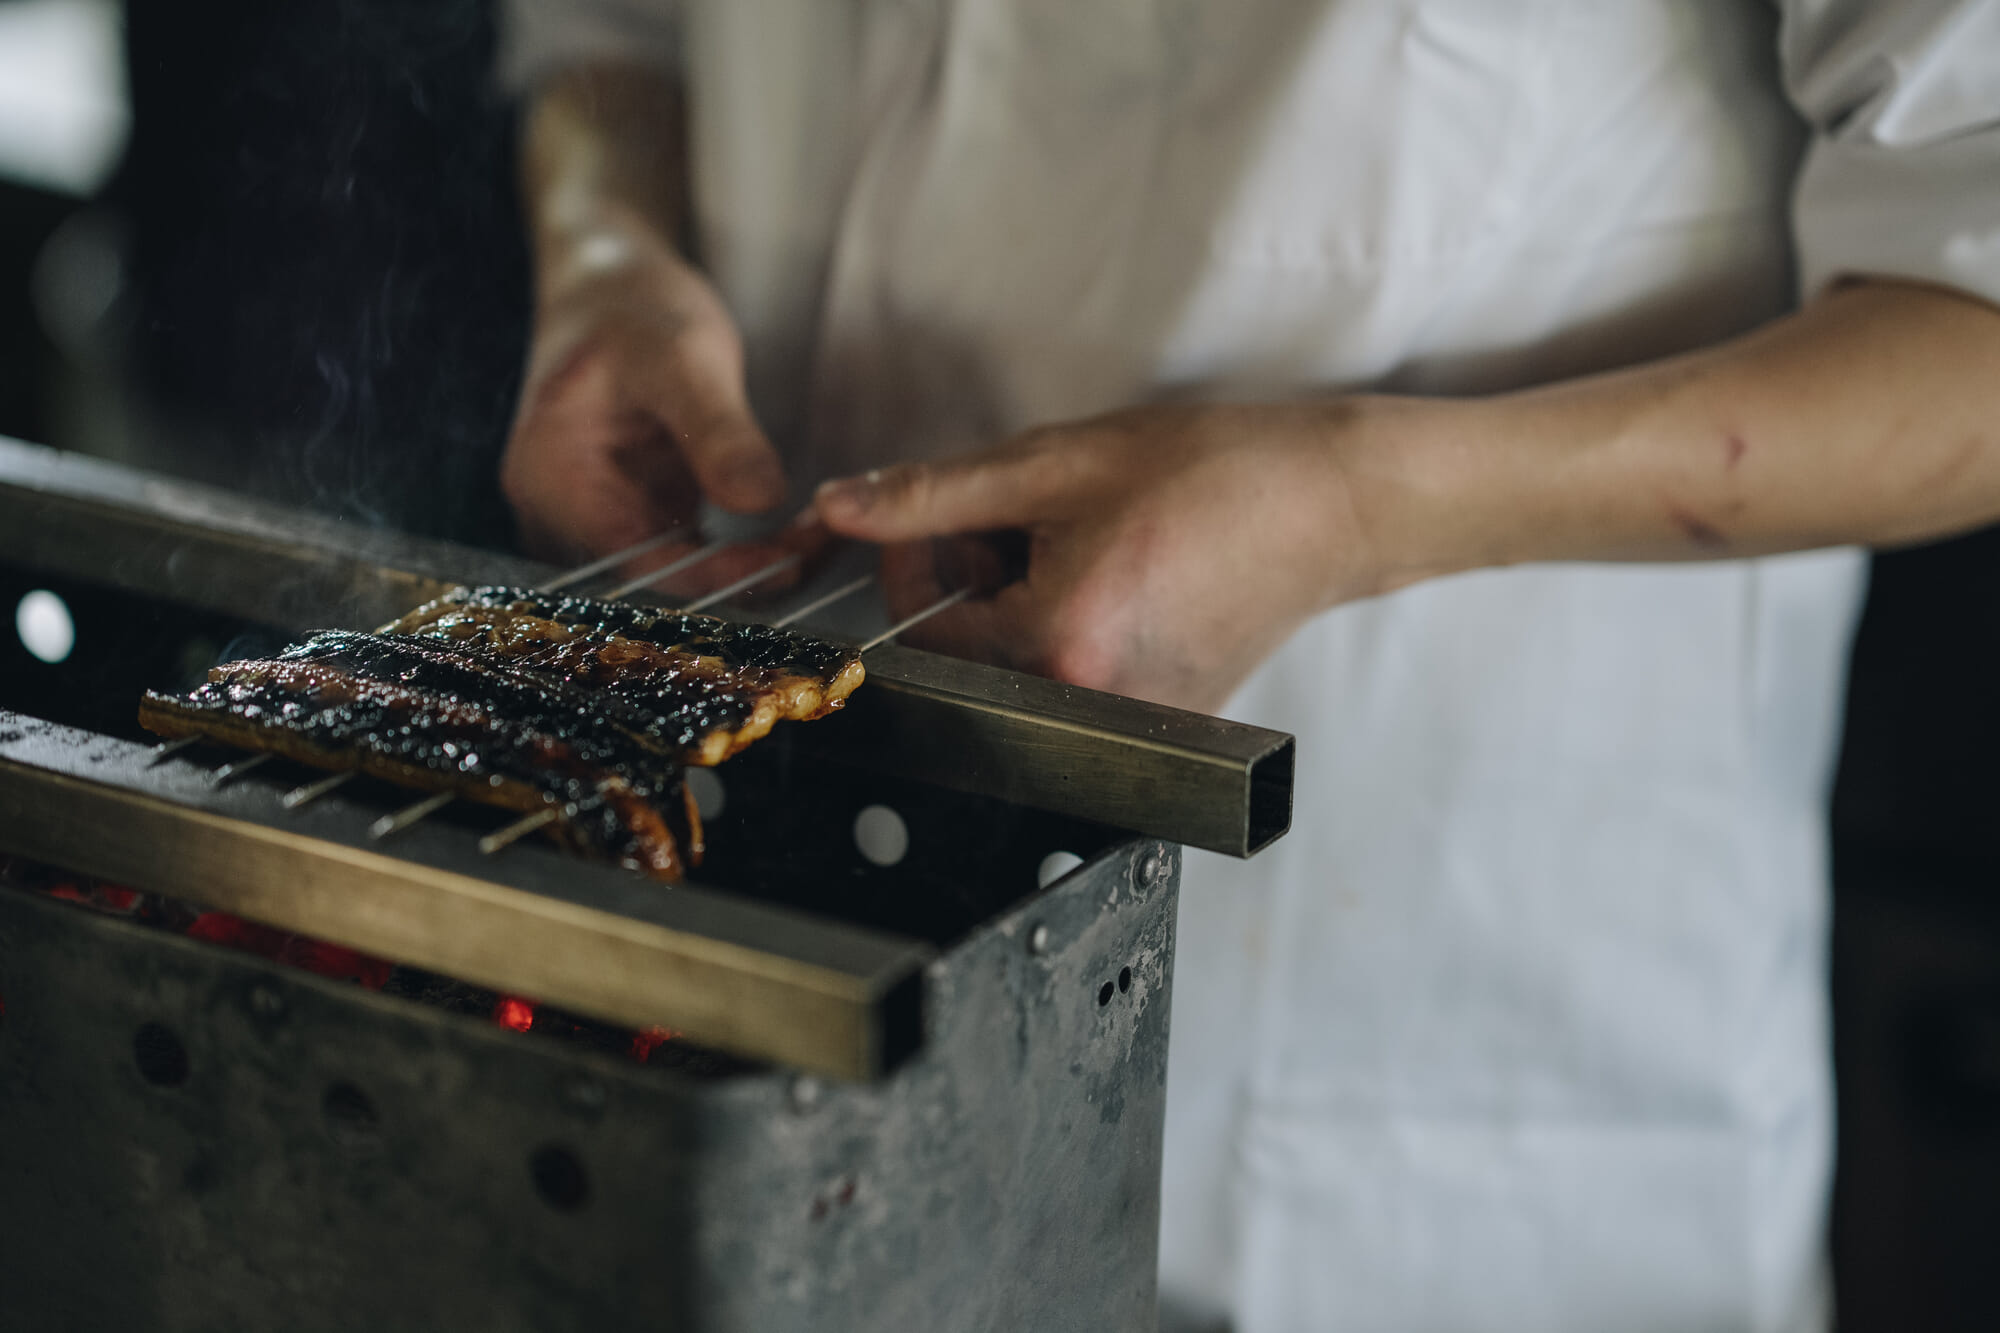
(647, 463)
(910, 578)
(982, 561)
(1011, 486)
(1000, 629)
(585, 476)
(693, 382)
(810, 538)
(576, 499)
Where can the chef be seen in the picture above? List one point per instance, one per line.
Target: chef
(1492, 392)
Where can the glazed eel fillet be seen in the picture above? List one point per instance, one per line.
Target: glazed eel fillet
(529, 701)
(717, 685)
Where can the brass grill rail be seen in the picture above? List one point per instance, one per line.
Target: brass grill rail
(731, 973)
(1136, 766)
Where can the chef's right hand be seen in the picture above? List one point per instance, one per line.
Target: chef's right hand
(632, 410)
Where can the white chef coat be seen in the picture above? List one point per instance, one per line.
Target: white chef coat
(1524, 1024)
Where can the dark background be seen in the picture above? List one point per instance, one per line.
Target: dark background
(322, 297)
(321, 271)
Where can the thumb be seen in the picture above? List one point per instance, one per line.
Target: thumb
(1001, 488)
(696, 389)
(733, 462)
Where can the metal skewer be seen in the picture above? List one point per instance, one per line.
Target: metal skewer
(312, 791)
(166, 749)
(943, 603)
(821, 603)
(747, 581)
(612, 561)
(505, 837)
(398, 820)
(517, 830)
(409, 814)
(667, 570)
(236, 768)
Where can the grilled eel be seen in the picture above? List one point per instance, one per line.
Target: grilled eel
(749, 676)
(527, 701)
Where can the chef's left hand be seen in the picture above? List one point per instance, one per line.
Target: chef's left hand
(1169, 550)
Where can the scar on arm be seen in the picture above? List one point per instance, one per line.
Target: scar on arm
(1697, 529)
(1952, 467)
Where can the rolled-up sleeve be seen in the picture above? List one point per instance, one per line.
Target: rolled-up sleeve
(540, 37)
(1902, 177)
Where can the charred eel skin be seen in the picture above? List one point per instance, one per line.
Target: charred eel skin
(336, 703)
(528, 701)
(650, 655)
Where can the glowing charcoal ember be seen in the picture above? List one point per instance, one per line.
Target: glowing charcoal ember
(113, 899)
(332, 961)
(511, 1011)
(336, 962)
(117, 898)
(647, 1040)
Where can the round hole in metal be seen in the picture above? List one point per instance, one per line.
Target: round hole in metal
(351, 1118)
(559, 1178)
(45, 626)
(162, 1060)
(1054, 866)
(881, 836)
(709, 796)
(1104, 994)
(1124, 980)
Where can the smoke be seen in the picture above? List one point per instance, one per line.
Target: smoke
(335, 280)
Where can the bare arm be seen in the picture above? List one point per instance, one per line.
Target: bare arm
(1870, 417)
(633, 408)
(1172, 549)
(603, 158)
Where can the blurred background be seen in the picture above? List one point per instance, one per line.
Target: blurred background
(275, 247)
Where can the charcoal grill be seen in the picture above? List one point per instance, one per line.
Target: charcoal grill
(933, 1090)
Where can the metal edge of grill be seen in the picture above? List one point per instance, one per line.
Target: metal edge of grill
(307, 1138)
(746, 977)
(1157, 771)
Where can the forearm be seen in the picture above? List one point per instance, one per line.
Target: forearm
(603, 169)
(1871, 417)
(632, 409)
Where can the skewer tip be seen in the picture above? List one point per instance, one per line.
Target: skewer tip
(506, 837)
(312, 791)
(236, 768)
(167, 749)
(398, 820)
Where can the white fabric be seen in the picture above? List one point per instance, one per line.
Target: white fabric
(1523, 1026)
(1904, 178)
